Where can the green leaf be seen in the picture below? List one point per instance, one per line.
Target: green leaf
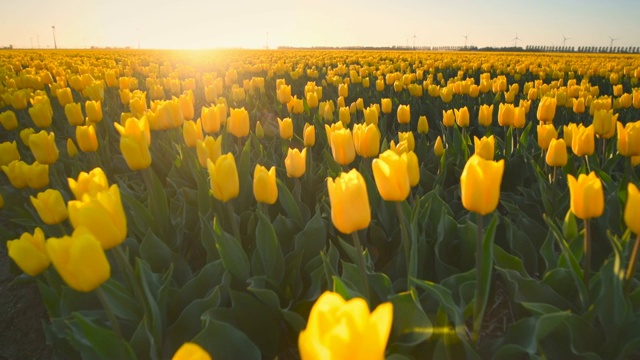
(288, 203)
(224, 341)
(98, 342)
(485, 268)
(411, 325)
(123, 305)
(269, 249)
(231, 252)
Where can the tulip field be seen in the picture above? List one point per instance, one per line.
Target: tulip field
(263, 204)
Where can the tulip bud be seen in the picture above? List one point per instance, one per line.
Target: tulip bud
(134, 143)
(391, 174)
(557, 153)
(64, 96)
(223, 174)
(629, 139)
(371, 115)
(41, 114)
(29, 252)
(192, 132)
(296, 162)
(462, 117)
(73, 112)
(286, 128)
(238, 123)
(50, 207)
(79, 259)
(408, 138)
(485, 147)
(312, 100)
(583, 142)
(265, 189)
(602, 122)
(72, 150)
(37, 175)
(8, 120)
(89, 184)
(86, 138)
(8, 152)
(259, 130)
(587, 196)
(485, 115)
(386, 105)
(309, 135)
(448, 118)
(632, 209)
(438, 148)
(342, 146)
(43, 147)
(16, 172)
(567, 133)
(350, 209)
(545, 134)
(423, 125)
(484, 177)
(506, 114)
(404, 114)
(413, 166)
(93, 110)
(579, 106)
(547, 109)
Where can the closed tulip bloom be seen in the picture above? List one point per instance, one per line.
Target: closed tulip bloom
(286, 128)
(485, 115)
(519, 118)
(134, 143)
(366, 139)
(50, 207)
(631, 209)
(557, 154)
(587, 196)
(8, 120)
(25, 134)
(16, 171)
(579, 106)
(545, 134)
(72, 150)
(448, 118)
(371, 115)
(480, 184)
(73, 112)
(79, 259)
(339, 329)
(296, 162)
(309, 134)
(86, 138)
(386, 105)
(629, 139)
(210, 119)
(413, 166)
(102, 214)
(602, 122)
(408, 137)
(636, 98)
(125, 96)
(344, 116)
(506, 114)
(350, 209)
(43, 146)
(192, 132)
(485, 147)
(446, 94)
(223, 175)
(29, 252)
(284, 94)
(462, 117)
(94, 111)
(265, 189)
(37, 175)
(547, 109)
(404, 114)
(238, 122)
(438, 147)
(379, 85)
(583, 142)
(391, 174)
(423, 125)
(89, 184)
(342, 146)
(186, 105)
(312, 100)
(343, 90)
(19, 100)
(567, 133)
(8, 152)
(208, 149)
(41, 114)
(191, 351)
(64, 96)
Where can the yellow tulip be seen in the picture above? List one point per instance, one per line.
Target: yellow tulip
(379, 85)
(343, 90)
(448, 118)
(632, 209)
(366, 139)
(557, 153)
(210, 119)
(72, 150)
(485, 147)
(238, 122)
(79, 259)
(350, 209)
(29, 252)
(485, 115)
(423, 125)
(37, 175)
(86, 138)
(391, 174)
(312, 100)
(408, 137)
(125, 96)
(265, 189)
(547, 109)
(138, 103)
(192, 132)
(506, 114)
(371, 115)
(8, 152)
(64, 96)
(362, 335)
(519, 118)
(73, 112)
(462, 117)
(344, 116)
(386, 105)
(25, 134)
(342, 146)
(89, 184)
(186, 105)
(50, 206)
(545, 134)
(41, 114)
(567, 133)
(587, 196)
(93, 110)
(446, 94)
(296, 162)
(480, 184)
(223, 175)
(286, 128)
(8, 120)
(636, 98)
(629, 139)
(102, 214)
(284, 94)
(309, 134)
(413, 166)
(438, 147)
(134, 143)
(583, 142)
(16, 171)
(602, 122)
(579, 106)
(295, 106)
(191, 351)
(43, 146)
(404, 114)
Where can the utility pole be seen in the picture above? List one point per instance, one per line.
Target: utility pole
(55, 45)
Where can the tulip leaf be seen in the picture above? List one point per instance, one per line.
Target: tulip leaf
(411, 325)
(96, 342)
(312, 239)
(160, 258)
(288, 203)
(224, 341)
(443, 298)
(158, 204)
(123, 305)
(269, 249)
(231, 252)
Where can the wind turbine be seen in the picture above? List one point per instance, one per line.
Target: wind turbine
(465, 40)
(414, 41)
(612, 40)
(564, 40)
(516, 40)
(55, 45)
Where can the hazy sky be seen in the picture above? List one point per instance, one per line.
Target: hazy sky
(245, 23)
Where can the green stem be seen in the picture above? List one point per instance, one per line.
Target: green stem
(232, 220)
(632, 265)
(406, 242)
(362, 267)
(555, 171)
(604, 151)
(586, 161)
(477, 309)
(587, 252)
(112, 320)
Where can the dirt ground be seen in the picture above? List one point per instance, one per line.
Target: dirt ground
(21, 316)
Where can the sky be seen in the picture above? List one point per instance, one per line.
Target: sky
(200, 24)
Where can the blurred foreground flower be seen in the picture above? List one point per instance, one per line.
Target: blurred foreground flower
(29, 252)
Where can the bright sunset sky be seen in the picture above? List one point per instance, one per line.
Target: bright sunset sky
(245, 23)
